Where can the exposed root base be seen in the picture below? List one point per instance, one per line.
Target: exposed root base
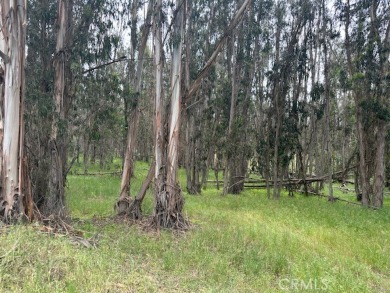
(122, 205)
(12, 214)
(194, 190)
(129, 207)
(170, 221)
(135, 211)
(167, 213)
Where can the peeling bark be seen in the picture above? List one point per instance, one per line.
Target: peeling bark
(15, 197)
(169, 201)
(55, 200)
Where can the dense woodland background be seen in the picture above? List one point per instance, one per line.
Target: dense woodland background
(283, 89)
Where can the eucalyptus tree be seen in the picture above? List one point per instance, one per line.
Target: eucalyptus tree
(55, 202)
(41, 43)
(328, 143)
(137, 46)
(240, 130)
(201, 114)
(367, 43)
(15, 198)
(202, 84)
(290, 19)
(64, 38)
(169, 200)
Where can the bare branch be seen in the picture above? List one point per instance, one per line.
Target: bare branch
(234, 22)
(120, 59)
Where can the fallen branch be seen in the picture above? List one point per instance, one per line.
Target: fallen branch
(98, 174)
(341, 199)
(238, 182)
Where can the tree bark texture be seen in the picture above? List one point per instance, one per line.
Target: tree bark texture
(133, 120)
(169, 201)
(55, 201)
(15, 197)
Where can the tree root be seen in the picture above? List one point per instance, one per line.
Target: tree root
(129, 207)
(168, 212)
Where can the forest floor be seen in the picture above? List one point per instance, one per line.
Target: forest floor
(242, 243)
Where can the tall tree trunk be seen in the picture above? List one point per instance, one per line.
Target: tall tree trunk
(175, 199)
(234, 80)
(159, 113)
(133, 121)
(169, 200)
(371, 143)
(328, 140)
(15, 196)
(55, 201)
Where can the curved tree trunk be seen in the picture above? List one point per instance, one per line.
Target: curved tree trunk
(133, 121)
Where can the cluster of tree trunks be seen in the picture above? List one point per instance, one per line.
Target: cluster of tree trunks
(245, 92)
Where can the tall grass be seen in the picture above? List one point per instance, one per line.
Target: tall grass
(242, 243)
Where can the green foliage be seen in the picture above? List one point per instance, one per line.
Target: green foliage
(317, 91)
(378, 109)
(358, 77)
(343, 79)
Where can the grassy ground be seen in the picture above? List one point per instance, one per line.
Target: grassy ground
(242, 243)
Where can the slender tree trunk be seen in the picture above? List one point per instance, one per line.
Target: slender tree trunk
(379, 171)
(275, 168)
(133, 121)
(55, 201)
(277, 118)
(328, 139)
(190, 154)
(86, 143)
(159, 113)
(233, 99)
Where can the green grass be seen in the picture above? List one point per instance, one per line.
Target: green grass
(242, 243)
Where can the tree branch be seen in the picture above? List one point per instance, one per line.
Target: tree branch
(234, 22)
(175, 12)
(120, 59)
